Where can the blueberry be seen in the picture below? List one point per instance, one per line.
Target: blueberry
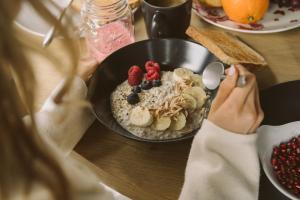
(133, 98)
(146, 85)
(136, 89)
(156, 83)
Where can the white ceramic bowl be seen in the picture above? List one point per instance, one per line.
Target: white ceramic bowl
(270, 136)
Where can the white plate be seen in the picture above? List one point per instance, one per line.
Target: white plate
(29, 20)
(271, 22)
(270, 136)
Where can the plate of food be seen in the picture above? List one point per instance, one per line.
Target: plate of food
(153, 90)
(29, 20)
(278, 142)
(249, 16)
(279, 150)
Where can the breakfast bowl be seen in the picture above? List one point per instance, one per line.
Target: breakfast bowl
(113, 71)
(281, 124)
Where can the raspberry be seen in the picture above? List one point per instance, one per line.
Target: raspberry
(134, 80)
(135, 70)
(151, 65)
(152, 75)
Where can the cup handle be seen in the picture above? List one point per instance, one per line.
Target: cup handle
(157, 18)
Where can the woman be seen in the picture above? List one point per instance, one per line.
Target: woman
(34, 149)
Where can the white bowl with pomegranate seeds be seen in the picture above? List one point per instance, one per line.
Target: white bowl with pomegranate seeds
(279, 152)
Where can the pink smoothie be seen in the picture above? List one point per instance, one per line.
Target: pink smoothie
(109, 38)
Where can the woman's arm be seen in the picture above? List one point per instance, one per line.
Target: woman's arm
(65, 123)
(223, 162)
(222, 165)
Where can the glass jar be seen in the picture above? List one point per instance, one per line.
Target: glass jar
(107, 26)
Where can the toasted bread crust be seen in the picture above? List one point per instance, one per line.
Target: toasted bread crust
(227, 47)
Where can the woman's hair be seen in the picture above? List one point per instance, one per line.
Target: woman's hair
(24, 158)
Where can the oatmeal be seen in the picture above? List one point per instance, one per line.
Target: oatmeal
(168, 108)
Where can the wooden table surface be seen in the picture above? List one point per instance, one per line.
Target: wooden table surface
(156, 171)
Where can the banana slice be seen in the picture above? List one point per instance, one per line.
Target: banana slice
(181, 74)
(198, 93)
(178, 122)
(161, 123)
(140, 117)
(197, 80)
(189, 103)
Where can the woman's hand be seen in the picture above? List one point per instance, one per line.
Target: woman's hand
(237, 109)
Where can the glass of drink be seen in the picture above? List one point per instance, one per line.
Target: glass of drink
(107, 26)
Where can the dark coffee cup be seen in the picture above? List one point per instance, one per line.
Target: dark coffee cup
(167, 18)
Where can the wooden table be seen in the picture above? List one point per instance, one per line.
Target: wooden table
(156, 171)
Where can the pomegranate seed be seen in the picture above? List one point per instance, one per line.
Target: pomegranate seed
(274, 161)
(283, 146)
(283, 151)
(276, 151)
(285, 162)
(282, 158)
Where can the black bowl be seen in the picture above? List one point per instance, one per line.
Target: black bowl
(170, 53)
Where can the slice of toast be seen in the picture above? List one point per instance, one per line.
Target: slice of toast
(132, 3)
(225, 46)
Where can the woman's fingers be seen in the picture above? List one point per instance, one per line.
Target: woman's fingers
(226, 87)
(250, 110)
(260, 113)
(240, 94)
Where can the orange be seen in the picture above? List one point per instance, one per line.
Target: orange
(245, 11)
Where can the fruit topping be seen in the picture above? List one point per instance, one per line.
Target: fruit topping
(152, 75)
(135, 75)
(178, 122)
(285, 161)
(189, 102)
(182, 74)
(197, 80)
(134, 80)
(135, 71)
(151, 65)
(136, 89)
(198, 93)
(133, 98)
(146, 85)
(141, 117)
(156, 83)
(161, 123)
